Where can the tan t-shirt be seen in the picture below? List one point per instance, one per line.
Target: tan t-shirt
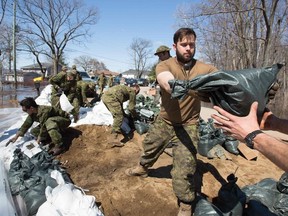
(186, 111)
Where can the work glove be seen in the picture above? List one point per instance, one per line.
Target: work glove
(179, 88)
(133, 113)
(273, 90)
(59, 92)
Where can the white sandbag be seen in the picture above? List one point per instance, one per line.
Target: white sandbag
(68, 200)
(65, 104)
(45, 96)
(7, 206)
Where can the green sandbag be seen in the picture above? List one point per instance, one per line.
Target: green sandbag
(234, 91)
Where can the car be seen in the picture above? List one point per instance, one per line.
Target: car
(142, 82)
(85, 76)
(130, 81)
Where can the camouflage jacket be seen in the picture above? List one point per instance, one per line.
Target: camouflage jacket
(59, 81)
(101, 79)
(122, 93)
(82, 88)
(44, 112)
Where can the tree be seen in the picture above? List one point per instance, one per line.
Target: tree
(238, 34)
(3, 10)
(49, 25)
(242, 34)
(88, 63)
(141, 52)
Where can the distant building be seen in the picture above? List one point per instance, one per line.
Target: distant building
(47, 67)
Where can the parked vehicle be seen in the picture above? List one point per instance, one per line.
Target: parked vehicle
(85, 76)
(130, 81)
(142, 82)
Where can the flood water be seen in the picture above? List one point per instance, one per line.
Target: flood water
(9, 96)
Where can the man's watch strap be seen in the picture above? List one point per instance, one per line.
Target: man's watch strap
(249, 138)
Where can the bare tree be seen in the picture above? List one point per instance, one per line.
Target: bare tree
(88, 63)
(242, 34)
(49, 25)
(141, 52)
(3, 10)
(238, 34)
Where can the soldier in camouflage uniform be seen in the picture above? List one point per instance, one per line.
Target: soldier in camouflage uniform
(177, 121)
(114, 98)
(52, 122)
(110, 81)
(83, 88)
(74, 71)
(65, 83)
(101, 83)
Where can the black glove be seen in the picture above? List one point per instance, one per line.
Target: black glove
(133, 113)
(59, 92)
(179, 88)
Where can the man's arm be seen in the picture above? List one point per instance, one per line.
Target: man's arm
(163, 79)
(240, 127)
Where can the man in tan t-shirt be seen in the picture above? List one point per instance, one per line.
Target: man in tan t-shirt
(177, 122)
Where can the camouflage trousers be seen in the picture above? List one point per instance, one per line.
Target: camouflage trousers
(184, 141)
(116, 109)
(53, 128)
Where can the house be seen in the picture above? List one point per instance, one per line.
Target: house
(47, 67)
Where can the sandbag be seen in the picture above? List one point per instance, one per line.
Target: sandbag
(234, 91)
(65, 104)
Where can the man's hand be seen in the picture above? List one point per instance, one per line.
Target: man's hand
(59, 92)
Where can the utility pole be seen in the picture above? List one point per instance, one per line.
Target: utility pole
(14, 43)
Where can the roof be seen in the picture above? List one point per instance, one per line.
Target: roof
(106, 73)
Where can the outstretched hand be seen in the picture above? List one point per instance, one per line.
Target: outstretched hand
(235, 126)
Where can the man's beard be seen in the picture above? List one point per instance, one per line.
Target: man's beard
(182, 59)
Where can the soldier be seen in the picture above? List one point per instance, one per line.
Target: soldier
(177, 122)
(58, 81)
(83, 89)
(74, 71)
(52, 121)
(110, 81)
(114, 98)
(65, 83)
(101, 82)
(163, 53)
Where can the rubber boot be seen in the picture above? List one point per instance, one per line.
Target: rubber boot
(137, 171)
(184, 209)
(76, 118)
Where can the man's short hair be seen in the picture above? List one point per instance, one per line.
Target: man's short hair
(28, 102)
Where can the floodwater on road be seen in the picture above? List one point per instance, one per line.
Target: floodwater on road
(10, 97)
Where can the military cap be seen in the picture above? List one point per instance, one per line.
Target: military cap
(73, 66)
(64, 68)
(162, 49)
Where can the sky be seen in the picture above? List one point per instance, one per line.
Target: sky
(121, 21)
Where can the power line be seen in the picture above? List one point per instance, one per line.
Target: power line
(98, 56)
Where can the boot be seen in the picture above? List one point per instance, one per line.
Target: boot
(56, 150)
(137, 171)
(184, 209)
(114, 140)
(76, 118)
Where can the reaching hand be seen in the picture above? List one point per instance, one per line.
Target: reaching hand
(237, 127)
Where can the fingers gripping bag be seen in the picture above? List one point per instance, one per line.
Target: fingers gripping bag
(234, 91)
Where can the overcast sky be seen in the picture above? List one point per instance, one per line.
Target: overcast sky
(120, 21)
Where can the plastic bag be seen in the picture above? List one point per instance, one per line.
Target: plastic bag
(234, 91)
(65, 104)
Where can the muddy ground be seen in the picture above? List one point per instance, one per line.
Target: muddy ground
(94, 166)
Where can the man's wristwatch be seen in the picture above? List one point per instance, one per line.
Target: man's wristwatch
(249, 138)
